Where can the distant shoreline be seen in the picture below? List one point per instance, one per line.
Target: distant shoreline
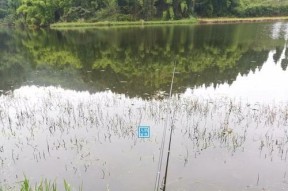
(68, 25)
(220, 20)
(239, 20)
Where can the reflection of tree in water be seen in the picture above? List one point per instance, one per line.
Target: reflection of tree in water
(249, 61)
(277, 55)
(11, 71)
(139, 61)
(12, 62)
(284, 62)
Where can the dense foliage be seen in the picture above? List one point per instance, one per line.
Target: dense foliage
(44, 12)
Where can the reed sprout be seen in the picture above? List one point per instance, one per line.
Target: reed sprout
(73, 127)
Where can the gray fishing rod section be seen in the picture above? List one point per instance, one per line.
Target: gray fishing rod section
(157, 186)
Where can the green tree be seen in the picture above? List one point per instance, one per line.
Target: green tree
(211, 8)
(87, 9)
(8, 10)
(148, 9)
(42, 12)
(3, 8)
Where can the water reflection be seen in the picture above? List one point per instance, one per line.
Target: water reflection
(261, 85)
(55, 133)
(279, 30)
(138, 66)
(71, 102)
(276, 30)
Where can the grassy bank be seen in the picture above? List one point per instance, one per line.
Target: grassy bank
(119, 23)
(71, 25)
(239, 20)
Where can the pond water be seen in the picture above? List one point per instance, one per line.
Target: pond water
(71, 103)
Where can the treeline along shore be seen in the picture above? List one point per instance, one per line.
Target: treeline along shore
(43, 13)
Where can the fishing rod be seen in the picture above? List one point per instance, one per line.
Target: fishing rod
(170, 138)
(160, 162)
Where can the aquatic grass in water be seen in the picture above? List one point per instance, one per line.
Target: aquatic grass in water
(43, 186)
(81, 135)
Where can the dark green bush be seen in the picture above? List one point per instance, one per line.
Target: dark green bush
(77, 13)
(124, 17)
(263, 11)
(3, 13)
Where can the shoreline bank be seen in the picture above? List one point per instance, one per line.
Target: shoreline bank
(68, 25)
(239, 20)
(222, 20)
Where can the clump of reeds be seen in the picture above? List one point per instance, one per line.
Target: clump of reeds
(43, 186)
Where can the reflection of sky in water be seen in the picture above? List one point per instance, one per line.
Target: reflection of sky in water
(278, 29)
(92, 139)
(266, 85)
(95, 141)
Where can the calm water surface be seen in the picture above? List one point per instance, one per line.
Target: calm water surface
(71, 102)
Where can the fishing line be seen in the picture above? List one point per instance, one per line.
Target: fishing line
(160, 162)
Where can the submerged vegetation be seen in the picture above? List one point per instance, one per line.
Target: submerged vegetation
(76, 125)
